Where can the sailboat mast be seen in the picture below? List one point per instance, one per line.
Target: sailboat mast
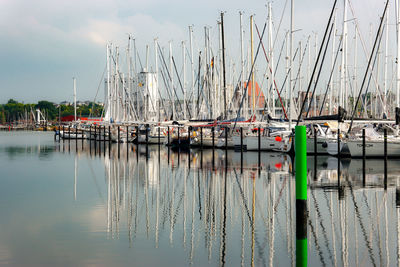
(192, 66)
(223, 62)
(244, 112)
(74, 82)
(343, 83)
(386, 63)
(291, 63)
(355, 60)
(315, 80)
(271, 57)
(172, 80)
(398, 56)
(129, 59)
(332, 66)
(108, 94)
(184, 79)
(158, 100)
(253, 94)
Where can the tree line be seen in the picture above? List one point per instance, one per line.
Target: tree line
(14, 111)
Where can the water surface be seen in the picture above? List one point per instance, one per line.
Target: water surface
(75, 204)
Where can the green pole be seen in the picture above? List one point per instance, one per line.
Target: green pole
(301, 195)
(300, 143)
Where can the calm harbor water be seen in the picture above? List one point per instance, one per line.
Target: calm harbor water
(71, 204)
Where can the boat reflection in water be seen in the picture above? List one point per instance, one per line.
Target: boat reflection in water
(224, 207)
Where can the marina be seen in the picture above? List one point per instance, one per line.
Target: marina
(269, 139)
(103, 205)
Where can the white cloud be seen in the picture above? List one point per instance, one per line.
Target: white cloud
(49, 41)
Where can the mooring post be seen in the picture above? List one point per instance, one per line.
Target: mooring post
(315, 141)
(147, 142)
(363, 144)
(179, 140)
(315, 154)
(385, 157)
(76, 138)
(137, 143)
(338, 164)
(189, 131)
(109, 140)
(69, 133)
(201, 137)
(63, 133)
(90, 139)
(397, 196)
(259, 149)
(363, 157)
(338, 143)
(95, 140)
(83, 136)
(127, 145)
(301, 195)
(99, 135)
(119, 136)
(241, 140)
(104, 139)
(137, 135)
(226, 138)
(241, 150)
(147, 135)
(168, 143)
(95, 135)
(213, 135)
(159, 136)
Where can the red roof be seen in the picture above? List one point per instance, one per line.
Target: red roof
(261, 97)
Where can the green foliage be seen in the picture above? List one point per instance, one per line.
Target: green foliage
(13, 111)
(2, 117)
(49, 108)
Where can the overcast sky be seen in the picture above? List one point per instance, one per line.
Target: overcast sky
(44, 43)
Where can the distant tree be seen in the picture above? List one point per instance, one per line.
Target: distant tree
(12, 101)
(49, 107)
(2, 117)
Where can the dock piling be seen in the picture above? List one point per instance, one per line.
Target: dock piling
(147, 135)
(385, 157)
(363, 156)
(241, 150)
(201, 137)
(213, 136)
(159, 136)
(127, 144)
(259, 148)
(109, 140)
(226, 138)
(118, 139)
(301, 194)
(315, 154)
(168, 142)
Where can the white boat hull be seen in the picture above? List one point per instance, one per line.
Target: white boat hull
(373, 148)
